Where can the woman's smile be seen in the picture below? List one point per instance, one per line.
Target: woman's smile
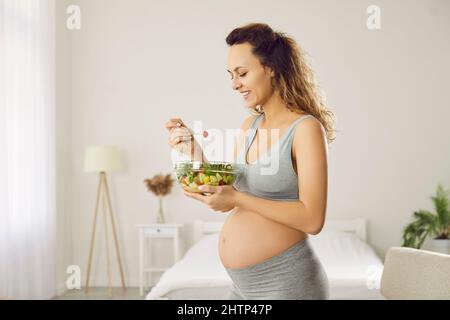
(245, 94)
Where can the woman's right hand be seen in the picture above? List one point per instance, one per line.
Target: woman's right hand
(180, 136)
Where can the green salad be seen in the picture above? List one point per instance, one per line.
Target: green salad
(191, 175)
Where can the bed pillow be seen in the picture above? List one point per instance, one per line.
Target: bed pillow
(345, 255)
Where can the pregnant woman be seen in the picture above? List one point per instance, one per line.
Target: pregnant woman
(264, 243)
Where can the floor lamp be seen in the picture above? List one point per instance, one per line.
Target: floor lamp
(103, 159)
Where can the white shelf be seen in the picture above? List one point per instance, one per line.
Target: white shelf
(152, 232)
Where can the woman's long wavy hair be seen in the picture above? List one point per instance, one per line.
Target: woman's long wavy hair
(294, 78)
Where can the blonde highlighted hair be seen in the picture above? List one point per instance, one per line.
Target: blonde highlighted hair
(294, 78)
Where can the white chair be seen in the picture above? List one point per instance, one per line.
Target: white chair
(415, 275)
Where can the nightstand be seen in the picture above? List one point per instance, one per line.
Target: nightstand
(153, 231)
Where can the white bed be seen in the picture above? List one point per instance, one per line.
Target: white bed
(353, 269)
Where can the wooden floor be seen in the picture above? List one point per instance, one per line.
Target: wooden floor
(102, 294)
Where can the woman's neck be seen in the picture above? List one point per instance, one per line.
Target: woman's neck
(276, 112)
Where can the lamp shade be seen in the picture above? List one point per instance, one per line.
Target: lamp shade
(102, 158)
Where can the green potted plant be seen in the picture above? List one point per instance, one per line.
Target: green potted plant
(426, 223)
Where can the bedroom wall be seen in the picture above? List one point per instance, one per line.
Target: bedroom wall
(136, 63)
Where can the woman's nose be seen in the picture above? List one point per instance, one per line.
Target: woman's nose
(235, 84)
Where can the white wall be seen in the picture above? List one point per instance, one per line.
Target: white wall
(134, 64)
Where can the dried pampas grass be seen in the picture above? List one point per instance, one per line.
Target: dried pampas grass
(160, 184)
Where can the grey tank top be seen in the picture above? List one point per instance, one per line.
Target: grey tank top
(272, 176)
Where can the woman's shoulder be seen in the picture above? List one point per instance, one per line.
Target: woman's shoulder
(308, 130)
(310, 122)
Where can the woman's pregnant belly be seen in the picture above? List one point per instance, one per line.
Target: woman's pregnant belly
(247, 238)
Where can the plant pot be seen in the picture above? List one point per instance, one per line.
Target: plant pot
(441, 245)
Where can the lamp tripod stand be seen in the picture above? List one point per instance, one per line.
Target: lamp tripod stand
(103, 185)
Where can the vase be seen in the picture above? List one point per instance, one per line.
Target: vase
(160, 218)
(441, 245)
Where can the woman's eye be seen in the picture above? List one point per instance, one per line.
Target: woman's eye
(241, 75)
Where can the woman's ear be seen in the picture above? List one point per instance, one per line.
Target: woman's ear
(269, 71)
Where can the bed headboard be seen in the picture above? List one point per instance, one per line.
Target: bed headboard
(355, 226)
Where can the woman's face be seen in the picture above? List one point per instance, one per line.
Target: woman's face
(248, 76)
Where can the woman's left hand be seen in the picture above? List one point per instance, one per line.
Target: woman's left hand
(222, 198)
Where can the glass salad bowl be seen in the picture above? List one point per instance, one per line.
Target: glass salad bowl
(193, 174)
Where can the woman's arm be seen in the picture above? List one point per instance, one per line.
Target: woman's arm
(307, 214)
